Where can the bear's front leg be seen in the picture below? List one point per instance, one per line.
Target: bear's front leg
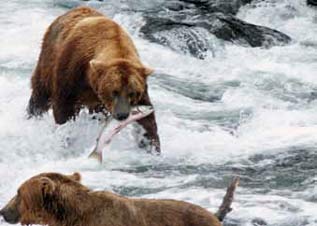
(63, 111)
(149, 125)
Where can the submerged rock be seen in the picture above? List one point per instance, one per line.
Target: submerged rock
(192, 26)
(224, 6)
(224, 27)
(258, 222)
(312, 2)
(193, 40)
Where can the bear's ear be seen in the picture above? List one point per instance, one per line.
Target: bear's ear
(147, 71)
(37, 190)
(47, 185)
(96, 65)
(75, 176)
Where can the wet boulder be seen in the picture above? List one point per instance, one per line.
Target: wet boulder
(232, 29)
(224, 6)
(312, 2)
(181, 37)
(195, 35)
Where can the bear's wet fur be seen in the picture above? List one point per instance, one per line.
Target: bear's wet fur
(61, 200)
(88, 60)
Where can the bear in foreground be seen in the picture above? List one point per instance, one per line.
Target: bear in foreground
(88, 60)
(58, 200)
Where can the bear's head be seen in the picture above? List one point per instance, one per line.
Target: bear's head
(119, 85)
(39, 200)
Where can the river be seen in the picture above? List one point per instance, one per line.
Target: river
(243, 111)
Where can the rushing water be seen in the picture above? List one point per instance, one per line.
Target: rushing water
(242, 111)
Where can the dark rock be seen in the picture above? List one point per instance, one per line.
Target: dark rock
(178, 36)
(224, 6)
(258, 222)
(236, 30)
(312, 2)
(194, 32)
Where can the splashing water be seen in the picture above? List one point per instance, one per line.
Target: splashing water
(246, 111)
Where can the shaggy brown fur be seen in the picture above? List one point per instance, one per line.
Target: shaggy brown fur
(87, 60)
(57, 200)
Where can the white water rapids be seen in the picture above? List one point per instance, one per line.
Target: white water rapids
(246, 111)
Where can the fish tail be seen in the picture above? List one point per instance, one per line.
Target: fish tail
(94, 154)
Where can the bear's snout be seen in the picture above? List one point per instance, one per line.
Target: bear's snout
(122, 108)
(121, 116)
(10, 215)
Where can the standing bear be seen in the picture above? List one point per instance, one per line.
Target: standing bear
(88, 60)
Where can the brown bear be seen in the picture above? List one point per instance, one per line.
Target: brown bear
(57, 200)
(88, 60)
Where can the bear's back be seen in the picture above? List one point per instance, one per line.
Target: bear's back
(106, 36)
(175, 213)
(60, 29)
